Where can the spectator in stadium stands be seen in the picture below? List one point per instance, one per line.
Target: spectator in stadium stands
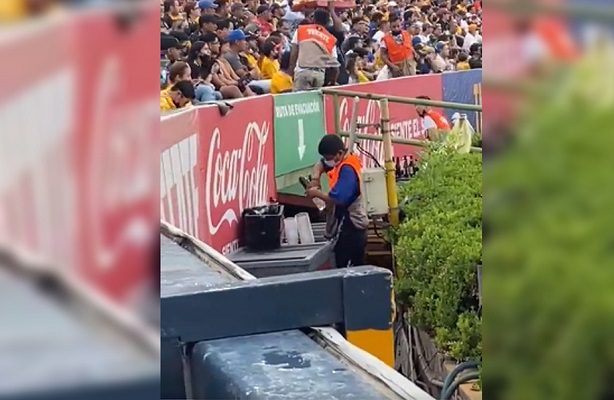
(223, 9)
(282, 79)
(313, 51)
(222, 76)
(237, 15)
(382, 27)
(360, 28)
(434, 124)
(475, 53)
(463, 64)
(356, 75)
(172, 13)
(207, 24)
(223, 27)
(269, 63)
(252, 6)
(397, 50)
(278, 13)
(264, 20)
(472, 36)
(172, 48)
(180, 95)
(248, 74)
(207, 7)
(192, 12)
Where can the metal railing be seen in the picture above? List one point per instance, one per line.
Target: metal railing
(337, 93)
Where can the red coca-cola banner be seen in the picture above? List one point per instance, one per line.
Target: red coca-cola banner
(404, 121)
(79, 126)
(213, 167)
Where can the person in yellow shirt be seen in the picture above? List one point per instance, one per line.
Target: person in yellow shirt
(281, 82)
(269, 64)
(178, 96)
(463, 63)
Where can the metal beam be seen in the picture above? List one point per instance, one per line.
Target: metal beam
(403, 100)
(396, 139)
(357, 297)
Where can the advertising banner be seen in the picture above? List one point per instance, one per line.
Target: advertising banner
(238, 157)
(182, 174)
(78, 143)
(299, 126)
(464, 87)
(404, 121)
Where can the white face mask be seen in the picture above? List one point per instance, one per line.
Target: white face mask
(330, 163)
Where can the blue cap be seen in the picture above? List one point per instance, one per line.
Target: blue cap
(415, 41)
(235, 36)
(203, 4)
(439, 46)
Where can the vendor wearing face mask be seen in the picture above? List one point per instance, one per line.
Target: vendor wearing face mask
(347, 219)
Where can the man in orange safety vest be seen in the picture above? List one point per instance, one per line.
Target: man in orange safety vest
(434, 124)
(397, 51)
(347, 216)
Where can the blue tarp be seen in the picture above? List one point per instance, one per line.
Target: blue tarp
(459, 87)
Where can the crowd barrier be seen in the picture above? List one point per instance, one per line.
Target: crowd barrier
(78, 130)
(213, 166)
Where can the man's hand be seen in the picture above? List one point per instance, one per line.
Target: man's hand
(313, 192)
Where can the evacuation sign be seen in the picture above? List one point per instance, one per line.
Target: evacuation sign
(299, 126)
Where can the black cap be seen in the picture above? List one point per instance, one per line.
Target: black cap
(169, 42)
(262, 8)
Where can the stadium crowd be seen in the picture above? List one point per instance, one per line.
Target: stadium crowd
(213, 50)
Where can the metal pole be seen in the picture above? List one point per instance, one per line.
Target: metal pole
(411, 142)
(391, 184)
(403, 100)
(353, 124)
(336, 114)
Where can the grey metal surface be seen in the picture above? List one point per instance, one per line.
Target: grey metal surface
(358, 297)
(181, 270)
(289, 259)
(274, 366)
(47, 348)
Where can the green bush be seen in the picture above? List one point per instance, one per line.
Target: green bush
(438, 248)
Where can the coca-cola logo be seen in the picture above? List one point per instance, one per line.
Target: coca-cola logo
(236, 177)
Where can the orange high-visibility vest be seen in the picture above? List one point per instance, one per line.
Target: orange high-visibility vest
(351, 160)
(317, 34)
(440, 120)
(398, 52)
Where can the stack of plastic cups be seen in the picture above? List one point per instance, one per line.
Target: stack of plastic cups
(305, 232)
(291, 230)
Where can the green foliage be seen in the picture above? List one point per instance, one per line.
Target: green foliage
(548, 326)
(438, 248)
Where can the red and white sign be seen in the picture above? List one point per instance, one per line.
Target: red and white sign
(78, 139)
(404, 121)
(233, 169)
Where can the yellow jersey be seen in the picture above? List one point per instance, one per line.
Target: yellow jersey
(281, 82)
(268, 67)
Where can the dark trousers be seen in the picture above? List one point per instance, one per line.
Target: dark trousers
(350, 247)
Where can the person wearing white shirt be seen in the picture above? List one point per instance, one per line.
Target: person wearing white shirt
(471, 37)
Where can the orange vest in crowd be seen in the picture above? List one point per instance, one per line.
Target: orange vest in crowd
(398, 52)
(351, 160)
(317, 34)
(440, 120)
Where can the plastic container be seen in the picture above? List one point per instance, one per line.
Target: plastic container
(291, 231)
(285, 260)
(305, 234)
(262, 227)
